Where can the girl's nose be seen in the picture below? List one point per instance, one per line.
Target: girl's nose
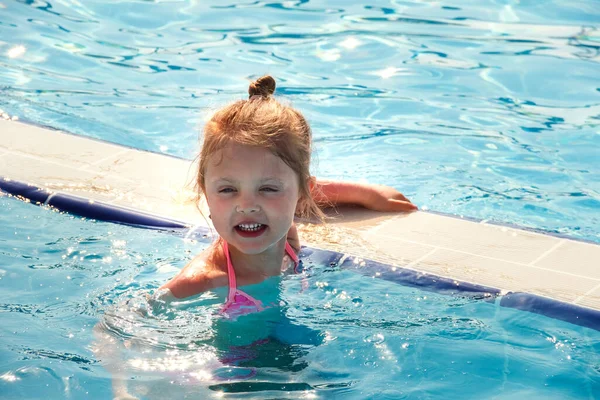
(248, 209)
(247, 205)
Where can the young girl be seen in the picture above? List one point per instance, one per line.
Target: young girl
(254, 174)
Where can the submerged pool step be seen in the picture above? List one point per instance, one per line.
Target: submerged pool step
(497, 256)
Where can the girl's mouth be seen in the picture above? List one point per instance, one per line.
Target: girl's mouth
(250, 230)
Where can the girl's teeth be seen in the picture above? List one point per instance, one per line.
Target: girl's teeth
(250, 227)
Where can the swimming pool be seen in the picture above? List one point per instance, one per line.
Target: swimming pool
(449, 104)
(337, 333)
(487, 109)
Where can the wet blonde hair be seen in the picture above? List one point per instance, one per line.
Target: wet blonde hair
(263, 122)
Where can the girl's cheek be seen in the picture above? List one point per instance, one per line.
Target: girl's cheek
(217, 206)
(281, 205)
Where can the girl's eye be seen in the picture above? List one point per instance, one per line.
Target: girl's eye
(227, 190)
(269, 189)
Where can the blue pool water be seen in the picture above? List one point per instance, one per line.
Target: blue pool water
(336, 334)
(487, 109)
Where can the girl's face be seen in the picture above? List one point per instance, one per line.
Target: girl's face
(252, 196)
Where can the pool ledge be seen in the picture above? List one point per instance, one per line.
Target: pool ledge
(507, 258)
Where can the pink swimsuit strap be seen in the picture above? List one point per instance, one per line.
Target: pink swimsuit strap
(233, 290)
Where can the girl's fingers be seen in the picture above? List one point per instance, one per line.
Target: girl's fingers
(401, 205)
(400, 197)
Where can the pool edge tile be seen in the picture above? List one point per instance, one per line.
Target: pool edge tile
(575, 254)
(510, 244)
(512, 277)
(53, 146)
(60, 178)
(591, 299)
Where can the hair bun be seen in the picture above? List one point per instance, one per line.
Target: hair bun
(263, 87)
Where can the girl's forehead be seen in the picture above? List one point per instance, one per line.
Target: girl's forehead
(243, 159)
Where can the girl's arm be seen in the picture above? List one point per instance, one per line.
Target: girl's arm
(374, 197)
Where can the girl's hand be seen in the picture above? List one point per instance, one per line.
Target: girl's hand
(374, 197)
(385, 198)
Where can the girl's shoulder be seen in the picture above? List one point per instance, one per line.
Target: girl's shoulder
(204, 272)
(206, 265)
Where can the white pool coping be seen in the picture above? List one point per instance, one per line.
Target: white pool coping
(502, 257)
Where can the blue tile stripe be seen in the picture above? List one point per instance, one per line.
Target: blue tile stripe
(523, 301)
(552, 308)
(419, 279)
(87, 208)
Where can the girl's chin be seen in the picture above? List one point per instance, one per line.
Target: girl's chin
(251, 249)
(252, 244)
